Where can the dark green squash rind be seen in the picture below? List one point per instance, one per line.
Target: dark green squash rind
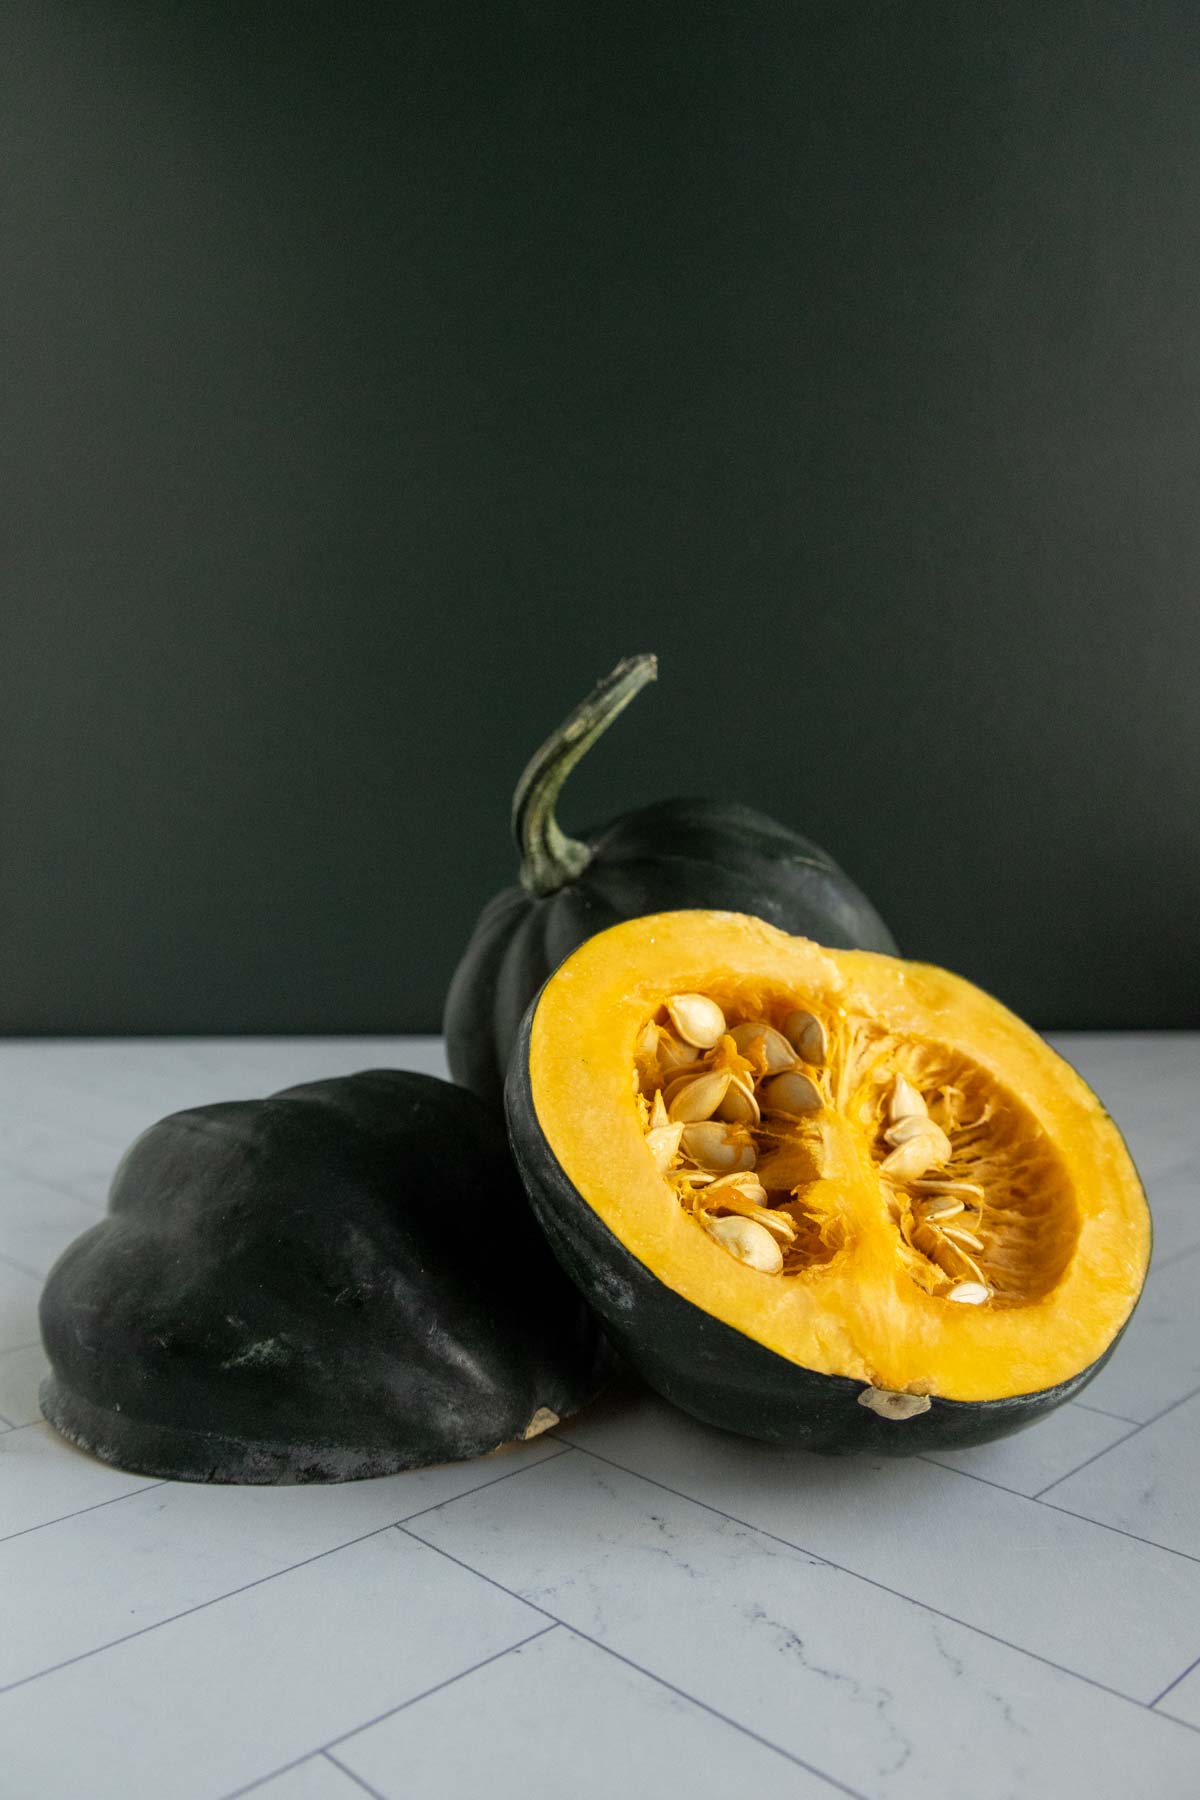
(713, 1371)
(671, 856)
(341, 1280)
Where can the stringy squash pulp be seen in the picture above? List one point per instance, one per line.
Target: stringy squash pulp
(865, 1165)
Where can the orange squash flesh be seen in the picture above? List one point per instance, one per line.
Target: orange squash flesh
(1072, 1244)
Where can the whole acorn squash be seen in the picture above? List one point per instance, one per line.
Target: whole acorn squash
(340, 1280)
(673, 853)
(828, 1198)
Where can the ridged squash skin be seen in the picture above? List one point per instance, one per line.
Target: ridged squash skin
(341, 1280)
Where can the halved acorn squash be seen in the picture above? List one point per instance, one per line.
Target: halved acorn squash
(337, 1281)
(830, 1198)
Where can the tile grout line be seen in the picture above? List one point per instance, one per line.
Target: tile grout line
(1164, 1410)
(1177, 1256)
(344, 1736)
(216, 1599)
(356, 1779)
(524, 1469)
(169, 1481)
(1168, 1262)
(21, 1268)
(856, 1575)
(113, 1500)
(201, 1606)
(1145, 1423)
(15, 1349)
(931, 1461)
(1086, 1406)
(1053, 1506)
(56, 1187)
(746, 1730)
(1150, 1543)
(1170, 1688)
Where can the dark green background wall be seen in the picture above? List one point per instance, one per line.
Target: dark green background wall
(375, 377)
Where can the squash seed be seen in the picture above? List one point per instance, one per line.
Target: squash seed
(697, 1019)
(673, 1053)
(948, 1209)
(949, 1186)
(958, 1235)
(890, 1405)
(906, 1102)
(663, 1145)
(917, 1154)
(774, 1051)
(543, 1420)
(691, 1101)
(739, 1107)
(915, 1125)
(750, 1243)
(747, 1185)
(793, 1094)
(746, 1196)
(969, 1293)
(721, 1149)
(807, 1036)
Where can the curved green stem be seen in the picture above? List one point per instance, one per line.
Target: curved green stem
(549, 859)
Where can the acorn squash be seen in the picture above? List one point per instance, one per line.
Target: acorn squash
(673, 853)
(340, 1280)
(830, 1198)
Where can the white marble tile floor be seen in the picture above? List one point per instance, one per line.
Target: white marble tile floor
(633, 1604)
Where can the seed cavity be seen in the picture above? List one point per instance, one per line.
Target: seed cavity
(746, 1120)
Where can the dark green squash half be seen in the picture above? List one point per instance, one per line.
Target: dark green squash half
(671, 854)
(338, 1281)
(866, 1209)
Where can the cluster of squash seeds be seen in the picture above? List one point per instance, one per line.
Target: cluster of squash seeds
(714, 1086)
(743, 1115)
(938, 1216)
(720, 1092)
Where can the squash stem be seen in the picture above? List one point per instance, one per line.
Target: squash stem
(549, 859)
